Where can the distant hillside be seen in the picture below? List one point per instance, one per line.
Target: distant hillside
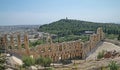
(66, 27)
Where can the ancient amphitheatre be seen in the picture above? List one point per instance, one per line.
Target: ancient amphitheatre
(56, 51)
(86, 51)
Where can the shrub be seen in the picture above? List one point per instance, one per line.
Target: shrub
(100, 54)
(39, 61)
(119, 37)
(48, 61)
(28, 61)
(113, 65)
(2, 62)
(50, 68)
(66, 61)
(44, 61)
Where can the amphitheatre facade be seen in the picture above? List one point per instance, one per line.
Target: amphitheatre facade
(56, 51)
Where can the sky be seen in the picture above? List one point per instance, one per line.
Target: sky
(32, 12)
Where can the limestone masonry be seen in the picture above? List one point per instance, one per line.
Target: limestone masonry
(56, 51)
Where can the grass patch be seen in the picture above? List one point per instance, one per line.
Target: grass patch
(113, 65)
(100, 54)
(111, 36)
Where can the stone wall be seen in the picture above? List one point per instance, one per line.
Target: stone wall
(61, 51)
(71, 49)
(56, 51)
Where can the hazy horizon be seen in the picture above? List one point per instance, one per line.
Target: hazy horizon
(38, 12)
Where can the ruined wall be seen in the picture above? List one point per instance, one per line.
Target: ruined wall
(12, 43)
(61, 51)
(93, 41)
(57, 51)
(71, 49)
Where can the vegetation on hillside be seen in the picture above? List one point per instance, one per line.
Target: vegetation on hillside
(113, 65)
(100, 54)
(2, 62)
(35, 43)
(42, 61)
(119, 37)
(71, 38)
(66, 27)
(28, 61)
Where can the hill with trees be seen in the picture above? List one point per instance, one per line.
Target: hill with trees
(68, 27)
